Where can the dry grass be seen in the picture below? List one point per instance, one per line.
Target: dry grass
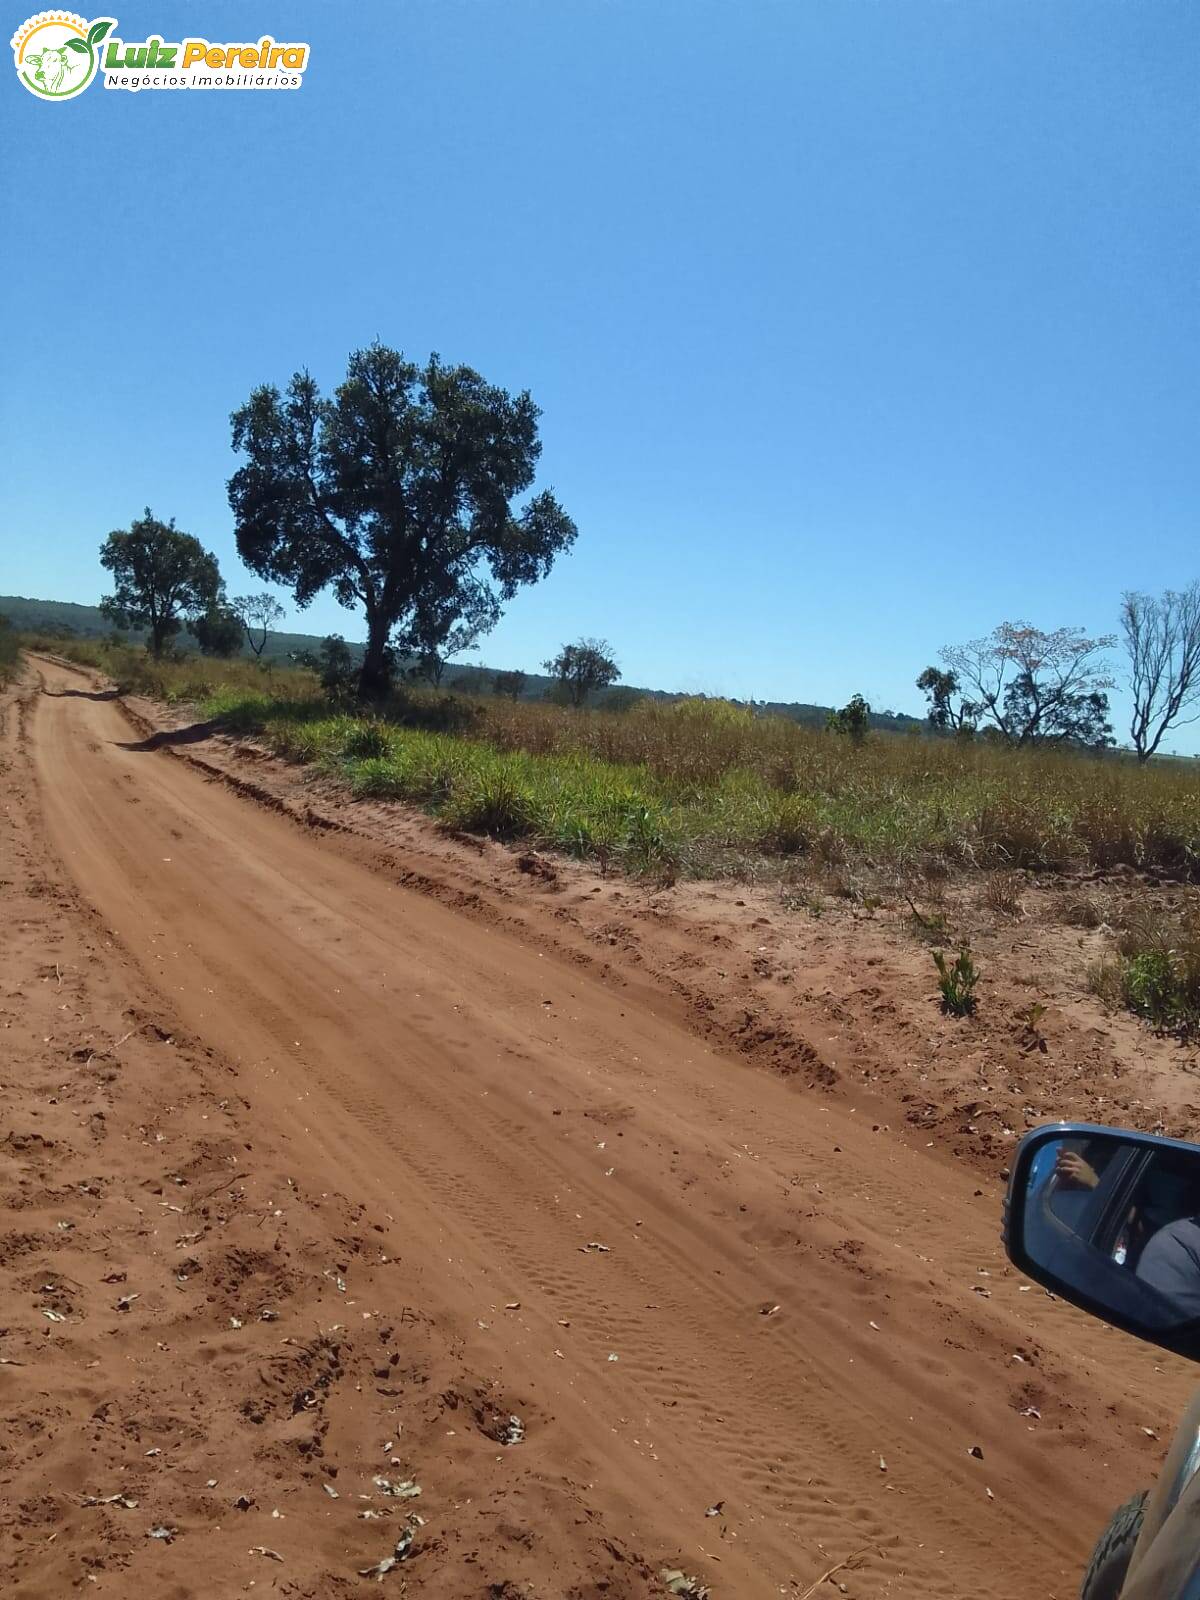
(705, 783)
(183, 678)
(1076, 910)
(1002, 893)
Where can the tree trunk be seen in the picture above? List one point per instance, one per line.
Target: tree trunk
(158, 633)
(375, 678)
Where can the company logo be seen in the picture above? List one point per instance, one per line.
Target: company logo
(57, 53)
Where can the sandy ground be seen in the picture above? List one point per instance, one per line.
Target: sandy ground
(645, 1232)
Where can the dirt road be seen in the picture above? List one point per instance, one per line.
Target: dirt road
(697, 1285)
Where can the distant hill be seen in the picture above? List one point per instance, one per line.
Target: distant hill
(69, 620)
(89, 622)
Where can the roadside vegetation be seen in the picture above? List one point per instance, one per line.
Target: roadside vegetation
(10, 650)
(407, 494)
(1155, 968)
(698, 786)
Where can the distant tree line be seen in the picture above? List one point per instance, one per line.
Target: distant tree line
(400, 494)
(164, 580)
(1023, 686)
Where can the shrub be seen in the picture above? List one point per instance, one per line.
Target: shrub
(490, 798)
(1002, 893)
(788, 828)
(1160, 975)
(1077, 911)
(649, 844)
(1030, 1018)
(366, 739)
(853, 720)
(377, 779)
(1151, 989)
(957, 980)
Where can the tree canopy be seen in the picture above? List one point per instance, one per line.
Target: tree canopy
(940, 689)
(397, 494)
(162, 577)
(510, 684)
(1032, 687)
(581, 667)
(853, 720)
(218, 631)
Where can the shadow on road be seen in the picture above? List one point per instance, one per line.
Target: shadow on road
(81, 694)
(166, 737)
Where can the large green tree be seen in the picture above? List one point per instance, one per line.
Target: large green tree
(162, 578)
(397, 494)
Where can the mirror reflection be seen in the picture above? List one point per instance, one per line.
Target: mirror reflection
(1119, 1224)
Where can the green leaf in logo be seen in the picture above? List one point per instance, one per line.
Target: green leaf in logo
(77, 44)
(97, 31)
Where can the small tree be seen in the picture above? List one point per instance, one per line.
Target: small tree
(430, 666)
(1034, 687)
(336, 665)
(258, 613)
(398, 495)
(218, 631)
(853, 720)
(1162, 639)
(582, 667)
(509, 684)
(162, 578)
(940, 688)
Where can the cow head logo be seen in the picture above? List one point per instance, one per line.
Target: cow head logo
(57, 53)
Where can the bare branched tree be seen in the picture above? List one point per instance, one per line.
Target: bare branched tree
(1162, 638)
(1035, 687)
(258, 614)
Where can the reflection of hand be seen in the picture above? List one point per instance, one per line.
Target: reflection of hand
(1073, 1171)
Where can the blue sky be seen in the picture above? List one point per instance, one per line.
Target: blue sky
(857, 327)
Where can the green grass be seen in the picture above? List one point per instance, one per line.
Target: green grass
(702, 786)
(688, 788)
(1156, 972)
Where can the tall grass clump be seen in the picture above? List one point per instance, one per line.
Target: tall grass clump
(1156, 971)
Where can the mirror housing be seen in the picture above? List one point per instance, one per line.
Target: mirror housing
(1110, 1220)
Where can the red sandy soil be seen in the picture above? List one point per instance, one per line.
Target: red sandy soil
(312, 1118)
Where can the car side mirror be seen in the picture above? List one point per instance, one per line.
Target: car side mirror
(1110, 1220)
